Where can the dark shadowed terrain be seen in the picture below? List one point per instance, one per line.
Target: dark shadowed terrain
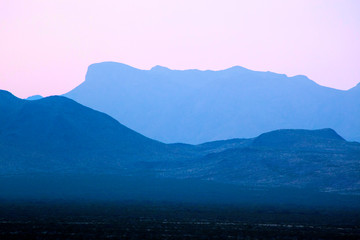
(148, 220)
(70, 172)
(57, 136)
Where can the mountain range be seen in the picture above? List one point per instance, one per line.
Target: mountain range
(194, 106)
(56, 136)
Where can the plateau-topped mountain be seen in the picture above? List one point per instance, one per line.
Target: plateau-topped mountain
(194, 106)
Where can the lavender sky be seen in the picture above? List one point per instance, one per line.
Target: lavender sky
(46, 46)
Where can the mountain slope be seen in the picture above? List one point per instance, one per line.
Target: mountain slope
(195, 106)
(57, 136)
(320, 160)
(56, 133)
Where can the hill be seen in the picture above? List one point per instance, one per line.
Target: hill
(56, 138)
(56, 134)
(318, 160)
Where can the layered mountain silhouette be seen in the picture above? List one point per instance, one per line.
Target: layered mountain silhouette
(194, 106)
(57, 136)
(318, 159)
(34, 97)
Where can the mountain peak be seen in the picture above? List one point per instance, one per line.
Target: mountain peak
(6, 96)
(159, 68)
(4, 93)
(294, 138)
(237, 68)
(34, 97)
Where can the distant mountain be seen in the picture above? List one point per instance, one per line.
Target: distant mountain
(195, 106)
(35, 97)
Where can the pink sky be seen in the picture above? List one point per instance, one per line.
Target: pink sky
(46, 46)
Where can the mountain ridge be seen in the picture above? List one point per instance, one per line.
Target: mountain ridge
(59, 129)
(56, 135)
(196, 106)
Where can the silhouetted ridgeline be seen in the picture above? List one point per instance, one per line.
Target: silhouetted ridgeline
(35, 97)
(195, 106)
(56, 148)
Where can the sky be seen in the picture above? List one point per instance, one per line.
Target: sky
(46, 46)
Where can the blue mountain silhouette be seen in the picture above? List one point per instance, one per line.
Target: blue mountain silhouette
(57, 136)
(194, 106)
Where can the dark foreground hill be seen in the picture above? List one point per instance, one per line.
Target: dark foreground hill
(56, 134)
(57, 148)
(194, 106)
(318, 160)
